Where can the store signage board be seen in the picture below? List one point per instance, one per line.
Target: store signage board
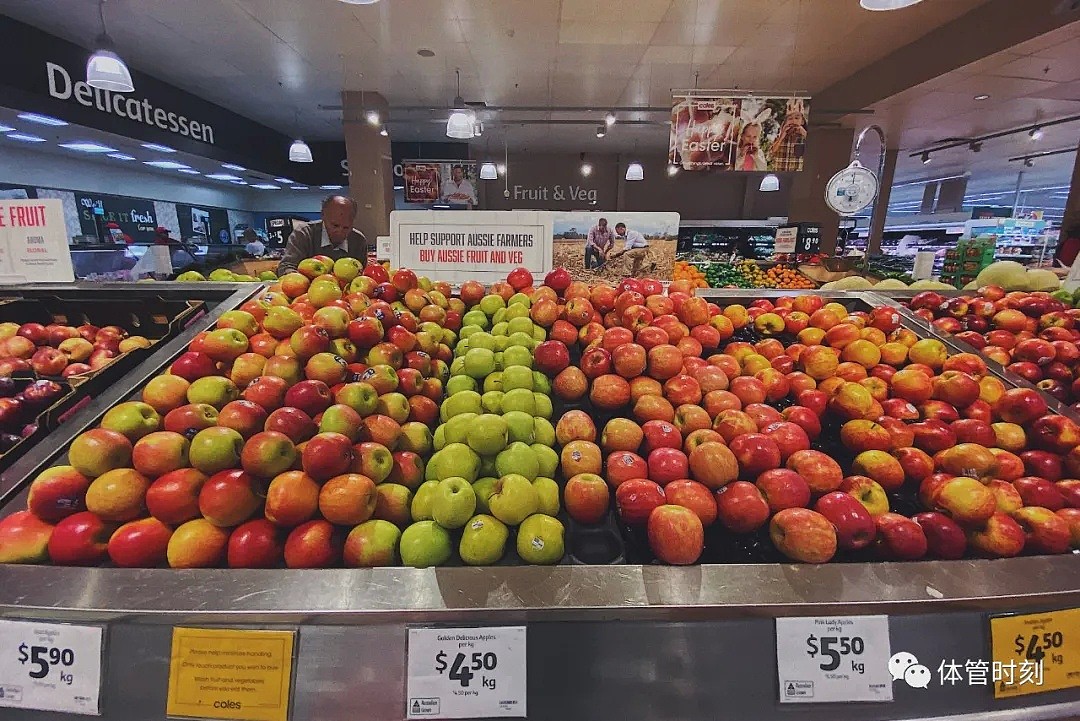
(50, 667)
(482, 245)
(217, 673)
(786, 238)
(1035, 653)
(34, 242)
(466, 673)
(833, 659)
(382, 248)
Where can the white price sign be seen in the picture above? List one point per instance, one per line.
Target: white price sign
(50, 667)
(785, 239)
(830, 659)
(466, 673)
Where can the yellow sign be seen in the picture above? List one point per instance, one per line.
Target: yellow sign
(1036, 652)
(230, 674)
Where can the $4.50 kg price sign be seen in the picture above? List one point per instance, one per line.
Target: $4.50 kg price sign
(843, 658)
(1048, 641)
(50, 666)
(466, 672)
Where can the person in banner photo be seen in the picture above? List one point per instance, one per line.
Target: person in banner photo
(598, 244)
(787, 151)
(635, 247)
(750, 157)
(457, 189)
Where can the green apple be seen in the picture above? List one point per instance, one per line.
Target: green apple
(517, 376)
(543, 432)
(456, 430)
(520, 459)
(542, 405)
(487, 467)
(486, 434)
(540, 540)
(438, 438)
(431, 468)
(492, 402)
(221, 275)
(454, 504)
(523, 340)
(493, 382)
(499, 358)
(483, 542)
(518, 355)
(499, 316)
(423, 501)
(457, 459)
(513, 499)
(216, 391)
(347, 268)
(415, 437)
(499, 329)
(457, 366)
(425, 544)
(548, 491)
(373, 543)
(541, 383)
(520, 324)
(501, 344)
(215, 449)
(548, 459)
(449, 337)
(460, 383)
(485, 341)
(521, 427)
(133, 419)
(491, 303)
(475, 317)
(483, 488)
(519, 400)
(192, 276)
(518, 313)
(539, 334)
(519, 299)
(468, 330)
(479, 362)
(464, 402)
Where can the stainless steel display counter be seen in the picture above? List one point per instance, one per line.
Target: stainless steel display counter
(620, 641)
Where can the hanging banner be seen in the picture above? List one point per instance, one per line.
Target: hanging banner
(440, 182)
(34, 242)
(747, 134)
(610, 246)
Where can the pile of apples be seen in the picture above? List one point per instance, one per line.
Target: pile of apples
(1034, 335)
(62, 350)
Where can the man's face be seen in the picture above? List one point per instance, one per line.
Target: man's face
(457, 174)
(337, 220)
(620, 229)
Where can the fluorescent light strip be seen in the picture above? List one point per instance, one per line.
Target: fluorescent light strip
(5, 128)
(230, 166)
(120, 156)
(331, 187)
(88, 147)
(265, 186)
(25, 137)
(165, 164)
(223, 176)
(188, 171)
(285, 180)
(299, 187)
(159, 148)
(42, 119)
(238, 182)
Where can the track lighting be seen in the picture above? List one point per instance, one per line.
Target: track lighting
(601, 131)
(926, 158)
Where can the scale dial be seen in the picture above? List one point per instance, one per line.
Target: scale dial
(852, 189)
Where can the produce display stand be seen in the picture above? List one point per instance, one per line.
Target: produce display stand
(611, 641)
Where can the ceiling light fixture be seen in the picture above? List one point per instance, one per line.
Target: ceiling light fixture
(223, 176)
(976, 147)
(359, 2)
(5, 128)
(298, 187)
(87, 147)
(586, 169)
(238, 182)
(1036, 134)
(372, 116)
(286, 181)
(104, 69)
(158, 148)
(120, 156)
(460, 124)
(188, 171)
(1029, 163)
(25, 137)
(609, 119)
(634, 171)
(384, 133)
(926, 158)
(769, 184)
(883, 5)
(42, 119)
(425, 53)
(982, 96)
(501, 167)
(331, 187)
(299, 152)
(488, 171)
(230, 166)
(165, 164)
(265, 186)
(601, 131)
(672, 170)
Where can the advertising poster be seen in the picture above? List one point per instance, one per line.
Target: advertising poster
(134, 217)
(485, 245)
(745, 134)
(205, 225)
(610, 246)
(440, 182)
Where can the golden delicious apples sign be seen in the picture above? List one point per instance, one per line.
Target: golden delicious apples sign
(749, 134)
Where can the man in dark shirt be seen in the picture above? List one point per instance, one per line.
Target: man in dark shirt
(333, 236)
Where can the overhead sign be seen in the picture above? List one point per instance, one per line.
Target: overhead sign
(217, 673)
(745, 134)
(484, 245)
(833, 659)
(135, 217)
(466, 673)
(34, 242)
(50, 667)
(440, 182)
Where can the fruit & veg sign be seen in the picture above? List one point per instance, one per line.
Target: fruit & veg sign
(466, 673)
(50, 667)
(480, 245)
(33, 242)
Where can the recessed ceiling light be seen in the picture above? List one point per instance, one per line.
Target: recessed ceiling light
(425, 53)
(609, 119)
(299, 187)
(372, 117)
(120, 156)
(331, 187)
(1036, 134)
(880, 5)
(25, 137)
(601, 131)
(165, 164)
(85, 147)
(5, 128)
(384, 133)
(265, 186)
(926, 158)
(285, 180)
(230, 166)
(188, 171)
(158, 148)
(223, 176)
(672, 170)
(982, 96)
(41, 119)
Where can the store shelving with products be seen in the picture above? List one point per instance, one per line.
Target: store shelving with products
(1029, 242)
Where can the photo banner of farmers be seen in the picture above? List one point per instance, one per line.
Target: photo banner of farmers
(610, 246)
(747, 134)
(440, 182)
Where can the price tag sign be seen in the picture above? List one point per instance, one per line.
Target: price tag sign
(1035, 653)
(50, 667)
(466, 673)
(830, 659)
(785, 239)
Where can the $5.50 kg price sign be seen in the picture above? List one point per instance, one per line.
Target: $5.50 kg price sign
(842, 658)
(466, 672)
(50, 666)
(1050, 641)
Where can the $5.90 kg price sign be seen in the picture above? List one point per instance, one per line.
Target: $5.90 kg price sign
(844, 658)
(50, 666)
(466, 672)
(1051, 640)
